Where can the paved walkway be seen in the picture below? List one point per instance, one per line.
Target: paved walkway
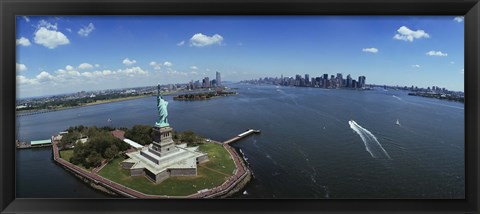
(230, 183)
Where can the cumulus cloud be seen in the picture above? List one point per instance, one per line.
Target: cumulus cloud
(370, 50)
(85, 66)
(181, 43)
(132, 71)
(71, 75)
(155, 65)
(23, 41)
(462, 71)
(405, 34)
(48, 36)
(48, 25)
(458, 19)
(21, 67)
(44, 77)
(86, 30)
(129, 62)
(416, 66)
(201, 40)
(193, 67)
(168, 64)
(436, 53)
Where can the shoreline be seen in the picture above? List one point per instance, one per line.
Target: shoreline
(232, 185)
(41, 111)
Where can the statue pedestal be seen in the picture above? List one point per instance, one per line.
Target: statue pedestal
(162, 141)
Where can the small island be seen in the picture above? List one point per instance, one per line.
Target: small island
(204, 95)
(152, 162)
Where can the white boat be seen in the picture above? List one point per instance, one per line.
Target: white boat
(245, 192)
(397, 123)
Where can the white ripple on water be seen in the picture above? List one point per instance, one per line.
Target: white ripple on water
(371, 143)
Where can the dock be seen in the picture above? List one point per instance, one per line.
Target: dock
(242, 135)
(33, 144)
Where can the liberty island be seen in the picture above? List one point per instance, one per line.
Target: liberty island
(162, 169)
(163, 158)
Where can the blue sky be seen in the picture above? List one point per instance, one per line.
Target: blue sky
(74, 53)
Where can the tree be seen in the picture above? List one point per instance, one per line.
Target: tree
(111, 152)
(94, 159)
(189, 137)
(141, 134)
(70, 138)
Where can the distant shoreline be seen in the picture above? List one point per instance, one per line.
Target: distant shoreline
(98, 102)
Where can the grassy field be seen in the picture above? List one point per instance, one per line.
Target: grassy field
(210, 174)
(67, 154)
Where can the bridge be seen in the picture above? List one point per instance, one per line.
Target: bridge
(242, 135)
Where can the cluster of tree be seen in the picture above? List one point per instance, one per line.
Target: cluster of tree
(142, 134)
(101, 144)
(200, 96)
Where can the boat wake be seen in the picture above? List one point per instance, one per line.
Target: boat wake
(398, 98)
(371, 143)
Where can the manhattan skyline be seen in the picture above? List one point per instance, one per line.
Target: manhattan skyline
(75, 53)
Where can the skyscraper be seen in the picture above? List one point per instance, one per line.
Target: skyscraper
(361, 81)
(349, 81)
(218, 79)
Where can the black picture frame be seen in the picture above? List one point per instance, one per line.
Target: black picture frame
(10, 8)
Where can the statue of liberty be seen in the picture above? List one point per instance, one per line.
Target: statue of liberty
(162, 110)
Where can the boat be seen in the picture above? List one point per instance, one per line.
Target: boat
(245, 192)
(109, 120)
(397, 123)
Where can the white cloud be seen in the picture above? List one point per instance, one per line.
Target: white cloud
(436, 53)
(23, 41)
(405, 34)
(69, 68)
(462, 71)
(26, 18)
(416, 66)
(47, 25)
(155, 65)
(50, 38)
(23, 80)
(86, 30)
(44, 77)
(129, 62)
(68, 29)
(97, 65)
(194, 67)
(452, 62)
(85, 66)
(194, 72)
(371, 50)
(181, 43)
(200, 40)
(21, 67)
(458, 19)
(168, 64)
(132, 71)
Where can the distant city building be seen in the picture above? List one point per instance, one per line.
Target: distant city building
(218, 79)
(361, 81)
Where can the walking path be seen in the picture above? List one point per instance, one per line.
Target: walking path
(240, 173)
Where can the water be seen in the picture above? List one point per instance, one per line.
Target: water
(307, 148)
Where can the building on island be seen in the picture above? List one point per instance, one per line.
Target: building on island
(163, 158)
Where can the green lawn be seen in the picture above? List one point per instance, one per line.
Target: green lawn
(67, 154)
(177, 186)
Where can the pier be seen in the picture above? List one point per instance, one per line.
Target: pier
(33, 144)
(242, 135)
